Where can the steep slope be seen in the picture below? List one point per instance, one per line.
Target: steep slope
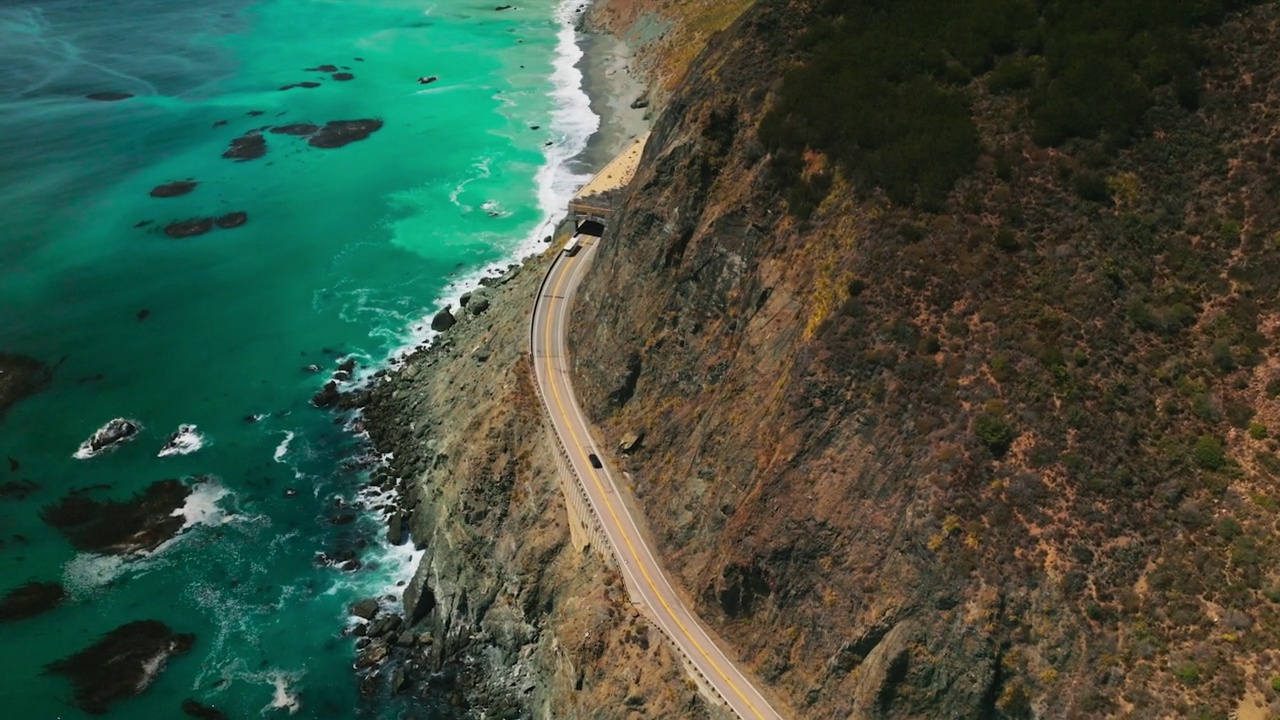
(1009, 458)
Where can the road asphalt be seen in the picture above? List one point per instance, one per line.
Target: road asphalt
(645, 578)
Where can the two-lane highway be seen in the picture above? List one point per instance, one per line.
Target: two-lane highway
(645, 579)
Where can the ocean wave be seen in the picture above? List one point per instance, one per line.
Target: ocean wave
(202, 506)
(183, 442)
(283, 448)
(573, 122)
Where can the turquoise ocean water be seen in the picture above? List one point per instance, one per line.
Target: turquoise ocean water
(345, 252)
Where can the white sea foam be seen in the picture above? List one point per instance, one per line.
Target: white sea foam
(572, 125)
(201, 506)
(283, 448)
(183, 442)
(86, 573)
(283, 699)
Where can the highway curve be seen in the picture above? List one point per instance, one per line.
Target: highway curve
(646, 581)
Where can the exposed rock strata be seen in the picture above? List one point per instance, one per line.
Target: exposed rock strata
(502, 604)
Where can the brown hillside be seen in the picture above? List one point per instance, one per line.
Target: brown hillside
(1013, 458)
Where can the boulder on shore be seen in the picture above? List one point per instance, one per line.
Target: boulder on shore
(443, 320)
(122, 664)
(365, 609)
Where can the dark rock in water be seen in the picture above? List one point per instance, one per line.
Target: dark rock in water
(296, 129)
(252, 418)
(373, 654)
(365, 609)
(29, 600)
(188, 228)
(139, 524)
(390, 624)
(312, 368)
(255, 113)
(443, 320)
(142, 314)
(395, 529)
(173, 189)
(232, 220)
(358, 59)
(109, 96)
(341, 376)
(347, 366)
(427, 80)
(328, 395)
(219, 123)
(122, 664)
(113, 433)
(17, 489)
(337, 133)
(306, 84)
(143, 223)
(291, 492)
(201, 712)
(14, 465)
(250, 146)
(535, 127)
(505, 7)
(342, 519)
(21, 377)
(343, 76)
(322, 68)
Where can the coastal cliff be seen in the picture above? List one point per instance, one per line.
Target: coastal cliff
(1006, 452)
(1000, 449)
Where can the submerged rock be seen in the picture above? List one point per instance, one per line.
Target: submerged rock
(343, 76)
(328, 395)
(232, 220)
(122, 664)
(188, 228)
(21, 377)
(113, 433)
(306, 84)
(17, 489)
(29, 600)
(192, 708)
(250, 146)
(337, 133)
(140, 524)
(303, 128)
(109, 96)
(173, 189)
(322, 68)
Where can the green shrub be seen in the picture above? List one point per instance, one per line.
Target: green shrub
(1208, 453)
(1187, 673)
(1275, 683)
(995, 432)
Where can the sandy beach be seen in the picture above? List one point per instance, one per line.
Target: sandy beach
(608, 81)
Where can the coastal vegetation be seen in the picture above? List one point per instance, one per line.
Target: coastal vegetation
(886, 88)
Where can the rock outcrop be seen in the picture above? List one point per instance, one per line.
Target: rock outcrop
(122, 664)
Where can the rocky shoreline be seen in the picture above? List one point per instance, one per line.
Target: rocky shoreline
(505, 615)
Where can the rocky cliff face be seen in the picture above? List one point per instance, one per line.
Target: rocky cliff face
(527, 624)
(1008, 459)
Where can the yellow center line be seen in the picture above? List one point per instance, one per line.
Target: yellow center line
(613, 514)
